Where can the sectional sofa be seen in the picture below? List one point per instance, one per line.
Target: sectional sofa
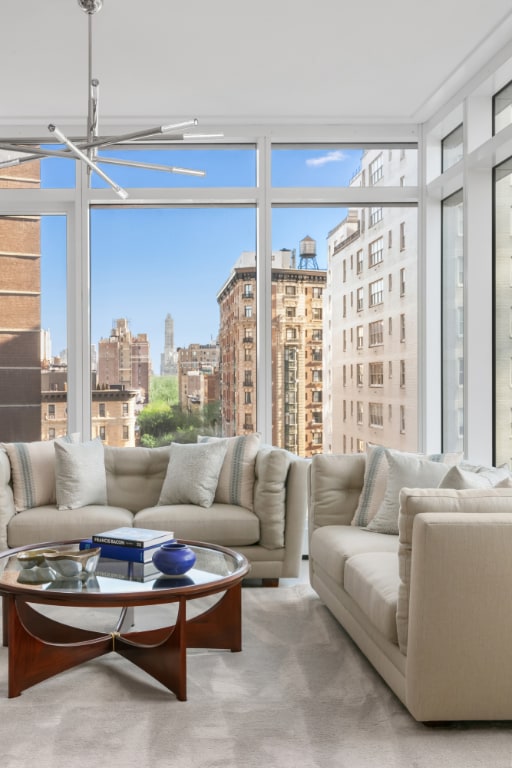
(234, 492)
(426, 597)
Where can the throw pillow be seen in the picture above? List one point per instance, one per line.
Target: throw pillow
(405, 471)
(462, 477)
(236, 479)
(193, 473)
(272, 467)
(374, 485)
(80, 477)
(33, 472)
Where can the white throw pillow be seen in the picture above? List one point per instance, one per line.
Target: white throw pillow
(406, 470)
(80, 477)
(374, 485)
(193, 473)
(33, 472)
(236, 479)
(465, 476)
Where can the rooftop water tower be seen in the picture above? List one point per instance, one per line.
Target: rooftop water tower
(308, 253)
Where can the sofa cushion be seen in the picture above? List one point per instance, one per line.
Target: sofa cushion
(33, 472)
(271, 472)
(236, 479)
(135, 475)
(193, 473)
(411, 471)
(335, 482)
(374, 485)
(43, 524)
(467, 476)
(225, 524)
(372, 580)
(331, 546)
(418, 500)
(80, 477)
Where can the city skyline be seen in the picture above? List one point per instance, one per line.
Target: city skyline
(144, 262)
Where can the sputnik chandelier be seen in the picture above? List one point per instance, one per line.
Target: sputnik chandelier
(86, 149)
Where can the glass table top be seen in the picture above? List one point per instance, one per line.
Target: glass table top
(120, 576)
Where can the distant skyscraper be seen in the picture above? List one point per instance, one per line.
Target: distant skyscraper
(168, 364)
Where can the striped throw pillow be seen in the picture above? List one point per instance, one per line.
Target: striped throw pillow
(236, 479)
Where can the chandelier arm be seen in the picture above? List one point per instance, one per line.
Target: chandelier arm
(81, 156)
(149, 166)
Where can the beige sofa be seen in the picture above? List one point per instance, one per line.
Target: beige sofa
(430, 608)
(269, 533)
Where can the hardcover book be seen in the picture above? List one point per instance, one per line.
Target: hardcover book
(120, 552)
(127, 570)
(132, 537)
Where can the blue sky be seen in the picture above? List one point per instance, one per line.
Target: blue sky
(146, 263)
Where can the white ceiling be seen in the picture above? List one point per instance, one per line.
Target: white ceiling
(275, 61)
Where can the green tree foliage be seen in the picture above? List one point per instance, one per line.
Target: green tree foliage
(163, 421)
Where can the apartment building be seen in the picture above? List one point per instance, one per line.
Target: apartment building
(198, 375)
(370, 327)
(297, 328)
(20, 314)
(123, 359)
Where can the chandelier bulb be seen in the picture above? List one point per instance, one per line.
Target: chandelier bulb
(90, 6)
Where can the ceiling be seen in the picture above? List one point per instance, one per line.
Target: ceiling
(270, 61)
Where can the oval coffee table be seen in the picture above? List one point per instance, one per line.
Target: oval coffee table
(40, 647)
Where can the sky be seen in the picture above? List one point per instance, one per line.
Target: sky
(147, 263)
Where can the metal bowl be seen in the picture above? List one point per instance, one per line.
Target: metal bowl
(32, 558)
(72, 564)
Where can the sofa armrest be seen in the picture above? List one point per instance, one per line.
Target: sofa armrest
(296, 509)
(335, 484)
(459, 661)
(7, 508)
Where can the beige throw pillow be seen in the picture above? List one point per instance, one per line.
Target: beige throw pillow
(193, 473)
(236, 479)
(80, 476)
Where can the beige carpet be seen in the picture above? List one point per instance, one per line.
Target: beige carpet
(299, 695)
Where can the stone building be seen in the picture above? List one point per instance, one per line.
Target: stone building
(297, 328)
(123, 360)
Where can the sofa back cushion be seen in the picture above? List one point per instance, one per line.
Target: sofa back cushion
(135, 476)
(271, 473)
(335, 484)
(236, 480)
(418, 500)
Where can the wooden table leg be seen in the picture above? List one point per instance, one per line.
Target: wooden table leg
(221, 625)
(40, 647)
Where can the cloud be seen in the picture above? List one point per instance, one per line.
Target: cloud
(331, 157)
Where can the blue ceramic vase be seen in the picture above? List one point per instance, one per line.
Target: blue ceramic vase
(174, 558)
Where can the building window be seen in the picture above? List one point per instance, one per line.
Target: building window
(317, 292)
(390, 370)
(376, 374)
(102, 410)
(51, 433)
(291, 334)
(317, 313)
(290, 290)
(247, 397)
(51, 410)
(316, 334)
(452, 148)
(402, 235)
(402, 281)
(344, 305)
(360, 336)
(344, 270)
(248, 291)
(402, 327)
(317, 417)
(390, 282)
(344, 340)
(344, 410)
(317, 396)
(317, 438)
(360, 412)
(290, 311)
(402, 419)
(375, 216)
(125, 409)
(502, 109)
(376, 169)
(359, 267)
(376, 292)
(360, 375)
(402, 373)
(248, 310)
(390, 325)
(390, 238)
(126, 432)
(376, 252)
(344, 375)
(375, 415)
(317, 376)
(376, 333)
(103, 433)
(360, 446)
(316, 355)
(360, 299)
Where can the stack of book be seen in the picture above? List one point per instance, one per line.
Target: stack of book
(135, 545)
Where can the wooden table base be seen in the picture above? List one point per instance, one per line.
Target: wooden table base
(40, 647)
